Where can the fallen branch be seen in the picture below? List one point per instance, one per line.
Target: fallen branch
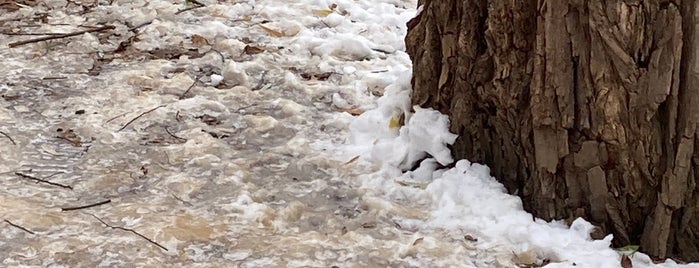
(87, 206)
(98, 29)
(30, 177)
(19, 227)
(129, 230)
(8, 136)
(139, 116)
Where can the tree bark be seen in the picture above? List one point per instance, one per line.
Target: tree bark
(582, 107)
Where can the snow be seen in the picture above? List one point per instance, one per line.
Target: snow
(257, 165)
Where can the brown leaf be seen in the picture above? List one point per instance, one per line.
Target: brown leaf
(70, 136)
(418, 241)
(209, 120)
(199, 40)
(314, 76)
(626, 261)
(354, 111)
(271, 31)
(251, 50)
(470, 238)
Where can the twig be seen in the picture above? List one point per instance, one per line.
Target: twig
(245, 107)
(8, 136)
(197, 2)
(87, 206)
(140, 25)
(9, 33)
(173, 135)
(187, 9)
(182, 200)
(99, 29)
(43, 180)
(129, 230)
(19, 227)
(139, 116)
(113, 118)
(196, 80)
(260, 83)
(197, 5)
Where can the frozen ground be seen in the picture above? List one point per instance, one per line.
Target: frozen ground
(231, 135)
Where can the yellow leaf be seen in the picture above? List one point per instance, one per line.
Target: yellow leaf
(322, 12)
(395, 122)
(271, 31)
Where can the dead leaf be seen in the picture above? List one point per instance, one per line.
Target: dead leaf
(413, 184)
(418, 241)
(369, 225)
(199, 40)
(322, 12)
(354, 111)
(252, 50)
(70, 136)
(271, 31)
(470, 238)
(316, 76)
(396, 121)
(209, 120)
(626, 261)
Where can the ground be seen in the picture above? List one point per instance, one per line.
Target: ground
(242, 133)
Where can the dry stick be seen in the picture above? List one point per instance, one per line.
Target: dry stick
(129, 230)
(87, 206)
(189, 88)
(139, 116)
(19, 43)
(43, 181)
(19, 227)
(8, 136)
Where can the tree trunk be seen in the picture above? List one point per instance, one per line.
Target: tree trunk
(582, 107)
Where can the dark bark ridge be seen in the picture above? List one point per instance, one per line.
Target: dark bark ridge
(583, 108)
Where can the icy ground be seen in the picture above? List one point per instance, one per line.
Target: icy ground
(242, 134)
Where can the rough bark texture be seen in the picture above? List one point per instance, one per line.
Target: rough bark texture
(582, 107)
